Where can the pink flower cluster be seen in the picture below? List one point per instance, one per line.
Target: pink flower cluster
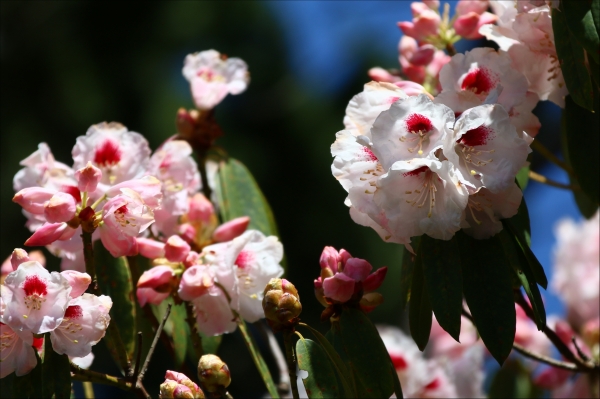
(224, 279)
(35, 301)
(344, 279)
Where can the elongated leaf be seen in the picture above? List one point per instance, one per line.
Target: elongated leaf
(419, 307)
(114, 280)
(595, 9)
(406, 273)
(258, 359)
(521, 268)
(523, 177)
(581, 24)
(488, 290)
(321, 381)
(572, 61)
(366, 355)
(443, 278)
(583, 143)
(343, 373)
(56, 373)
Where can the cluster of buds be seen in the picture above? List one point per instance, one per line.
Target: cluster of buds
(179, 386)
(213, 373)
(281, 304)
(347, 280)
(35, 301)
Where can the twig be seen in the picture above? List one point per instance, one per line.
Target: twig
(284, 379)
(543, 179)
(544, 359)
(291, 362)
(138, 358)
(582, 355)
(153, 346)
(81, 374)
(546, 153)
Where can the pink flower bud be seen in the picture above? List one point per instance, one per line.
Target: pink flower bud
(357, 269)
(150, 248)
(47, 234)
(433, 4)
(468, 25)
(191, 259)
(176, 249)
(60, 208)
(344, 256)
(477, 6)
(423, 55)
(330, 258)
(339, 287)
(425, 22)
(375, 279)
(187, 232)
(18, 256)
(200, 209)
(382, 75)
(33, 199)
(78, 281)
(232, 229)
(157, 278)
(412, 88)
(195, 282)
(88, 178)
(148, 295)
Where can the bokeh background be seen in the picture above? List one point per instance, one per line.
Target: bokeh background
(67, 65)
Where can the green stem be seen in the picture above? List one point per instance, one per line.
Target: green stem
(88, 390)
(546, 153)
(80, 374)
(291, 361)
(544, 180)
(450, 49)
(258, 360)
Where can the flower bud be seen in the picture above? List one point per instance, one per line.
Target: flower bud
(213, 373)
(200, 208)
(187, 232)
(88, 178)
(176, 249)
(357, 269)
(47, 234)
(33, 199)
(340, 287)
(78, 281)
(195, 282)
(191, 258)
(330, 258)
(60, 208)
(18, 256)
(179, 386)
(375, 279)
(231, 229)
(150, 248)
(158, 277)
(281, 303)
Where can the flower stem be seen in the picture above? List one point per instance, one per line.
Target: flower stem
(546, 153)
(291, 361)
(543, 179)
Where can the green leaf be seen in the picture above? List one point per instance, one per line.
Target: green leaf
(520, 266)
(366, 355)
(443, 279)
(177, 328)
(488, 290)
(572, 61)
(514, 381)
(258, 359)
(581, 24)
(56, 373)
(321, 381)
(523, 177)
(595, 9)
(583, 146)
(419, 307)
(406, 272)
(114, 280)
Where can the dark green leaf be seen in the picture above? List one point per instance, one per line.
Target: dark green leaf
(443, 278)
(419, 307)
(572, 61)
(594, 71)
(321, 381)
(488, 290)
(177, 328)
(114, 280)
(26, 386)
(406, 272)
(520, 266)
(583, 146)
(581, 24)
(595, 9)
(523, 177)
(366, 355)
(514, 381)
(56, 373)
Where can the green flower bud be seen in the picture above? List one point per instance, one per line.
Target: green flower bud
(167, 388)
(281, 304)
(213, 373)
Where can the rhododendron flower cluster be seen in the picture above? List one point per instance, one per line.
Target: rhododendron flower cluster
(36, 301)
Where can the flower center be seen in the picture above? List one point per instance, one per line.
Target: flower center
(121, 216)
(419, 196)
(467, 143)
(479, 81)
(35, 289)
(398, 361)
(244, 259)
(107, 154)
(419, 126)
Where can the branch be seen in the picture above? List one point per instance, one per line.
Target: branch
(546, 153)
(543, 179)
(153, 346)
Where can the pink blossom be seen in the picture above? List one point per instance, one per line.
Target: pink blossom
(120, 154)
(195, 281)
(340, 287)
(78, 281)
(150, 248)
(213, 313)
(468, 25)
(477, 6)
(200, 208)
(412, 88)
(425, 22)
(330, 258)
(35, 299)
(176, 249)
(16, 351)
(375, 279)
(49, 233)
(381, 75)
(485, 209)
(212, 76)
(60, 208)
(85, 322)
(33, 199)
(231, 229)
(88, 178)
(149, 295)
(357, 269)
(41, 170)
(155, 285)
(178, 385)
(20, 256)
(148, 188)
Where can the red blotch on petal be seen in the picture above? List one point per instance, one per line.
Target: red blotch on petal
(398, 361)
(418, 123)
(35, 285)
(416, 172)
(244, 259)
(107, 154)
(122, 210)
(477, 136)
(74, 191)
(479, 80)
(433, 384)
(74, 312)
(38, 343)
(369, 154)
